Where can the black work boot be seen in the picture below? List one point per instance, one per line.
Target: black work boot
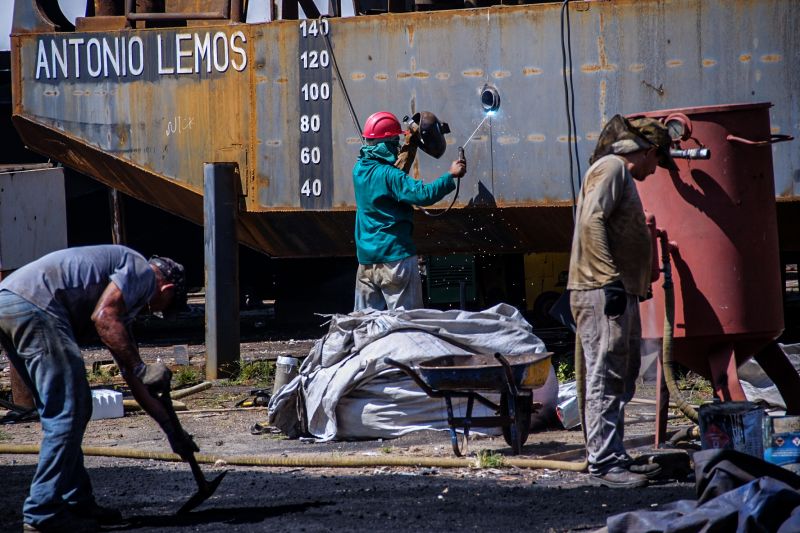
(63, 523)
(620, 478)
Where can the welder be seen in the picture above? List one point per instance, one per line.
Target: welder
(388, 272)
(609, 273)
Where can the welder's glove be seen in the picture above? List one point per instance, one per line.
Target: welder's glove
(181, 443)
(616, 298)
(414, 135)
(155, 376)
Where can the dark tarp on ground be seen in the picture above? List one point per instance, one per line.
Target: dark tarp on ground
(735, 492)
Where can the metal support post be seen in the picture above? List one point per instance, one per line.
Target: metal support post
(221, 188)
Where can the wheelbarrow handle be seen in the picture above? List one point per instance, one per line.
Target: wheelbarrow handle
(413, 375)
(512, 386)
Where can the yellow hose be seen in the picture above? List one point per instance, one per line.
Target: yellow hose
(667, 361)
(310, 461)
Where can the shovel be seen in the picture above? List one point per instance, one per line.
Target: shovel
(205, 488)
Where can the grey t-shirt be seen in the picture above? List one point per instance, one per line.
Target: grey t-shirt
(68, 283)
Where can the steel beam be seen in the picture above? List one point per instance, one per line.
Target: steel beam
(221, 187)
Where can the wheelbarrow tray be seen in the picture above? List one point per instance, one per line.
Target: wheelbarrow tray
(484, 372)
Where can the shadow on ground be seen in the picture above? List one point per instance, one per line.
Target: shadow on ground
(149, 494)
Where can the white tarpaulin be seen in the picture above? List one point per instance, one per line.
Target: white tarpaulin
(346, 391)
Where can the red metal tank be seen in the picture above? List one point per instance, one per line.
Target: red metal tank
(720, 213)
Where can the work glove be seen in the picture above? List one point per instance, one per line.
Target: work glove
(156, 377)
(616, 298)
(181, 443)
(414, 134)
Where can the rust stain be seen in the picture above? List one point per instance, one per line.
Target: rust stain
(282, 80)
(771, 58)
(508, 139)
(592, 136)
(673, 63)
(536, 138)
(353, 140)
(410, 31)
(442, 76)
(273, 142)
(380, 76)
(422, 74)
(261, 79)
(709, 62)
(636, 67)
(745, 58)
(531, 71)
(476, 73)
(449, 140)
(501, 74)
(357, 76)
(775, 130)
(51, 92)
(567, 138)
(590, 68)
(402, 75)
(602, 100)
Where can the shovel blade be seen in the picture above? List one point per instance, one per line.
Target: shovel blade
(202, 494)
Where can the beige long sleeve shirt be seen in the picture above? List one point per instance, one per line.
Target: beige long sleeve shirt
(611, 240)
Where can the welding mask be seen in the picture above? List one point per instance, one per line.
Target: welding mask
(431, 133)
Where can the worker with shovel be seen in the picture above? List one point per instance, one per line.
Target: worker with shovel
(44, 307)
(388, 272)
(609, 273)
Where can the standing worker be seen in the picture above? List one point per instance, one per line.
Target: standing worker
(388, 273)
(44, 307)
(609, 273)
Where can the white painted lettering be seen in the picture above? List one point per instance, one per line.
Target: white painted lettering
(75, 43)
(221, 57)
(123, 60)
(111, 57)
(180, 53)
(202, 52)
(41, 61)
(93, 72)
(239, 50)
(161, 68)
(135, 46)
(58, 59)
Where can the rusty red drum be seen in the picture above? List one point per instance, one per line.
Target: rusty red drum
(721, 215)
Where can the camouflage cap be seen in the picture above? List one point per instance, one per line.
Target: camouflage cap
(622, 136)
(174, 273)
(656, 132)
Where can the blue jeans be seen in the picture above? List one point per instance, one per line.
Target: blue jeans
(44, 352)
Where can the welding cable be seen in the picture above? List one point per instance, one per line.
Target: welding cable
(667, 361)
(350, 108)
(455, 197)
(572, 93)
(307, 460)
(567, 98)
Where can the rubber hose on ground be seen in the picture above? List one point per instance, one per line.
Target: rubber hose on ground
(309, 461)
(667, 361)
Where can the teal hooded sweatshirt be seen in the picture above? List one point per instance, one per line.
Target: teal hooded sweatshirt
(384, 199)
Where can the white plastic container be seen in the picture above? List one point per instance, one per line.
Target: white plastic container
(106, 404)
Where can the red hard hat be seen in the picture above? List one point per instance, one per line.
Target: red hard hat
(381, 125)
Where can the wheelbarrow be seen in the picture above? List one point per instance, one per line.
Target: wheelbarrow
(468, 376)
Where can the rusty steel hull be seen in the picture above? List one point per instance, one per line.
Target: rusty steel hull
(149, 130)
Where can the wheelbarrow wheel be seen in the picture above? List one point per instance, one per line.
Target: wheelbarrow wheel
(516, 432)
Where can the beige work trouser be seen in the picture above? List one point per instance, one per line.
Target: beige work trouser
(611, 347)
(389, 285)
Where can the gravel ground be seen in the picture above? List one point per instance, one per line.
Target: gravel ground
(324, 499)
